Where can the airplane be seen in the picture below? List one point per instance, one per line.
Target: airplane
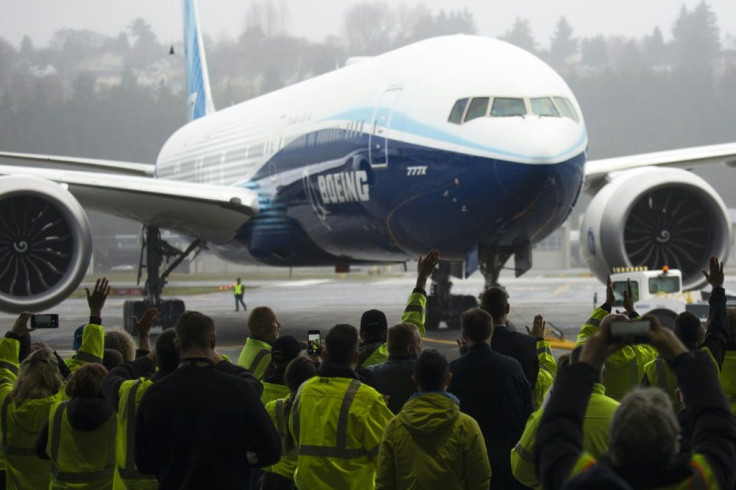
(464, 144)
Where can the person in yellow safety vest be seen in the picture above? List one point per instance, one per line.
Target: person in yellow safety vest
(124, 388)
(25, 407)
(547, 364)
(92, 345)
(284, 350)
(337, 421)
(373, 349)
(281, 475)
(644, 450)
(79, 436)
(238, 293)
(728, 369)
(410, 456)
(624, 368)
(264, 330)
(598, 416)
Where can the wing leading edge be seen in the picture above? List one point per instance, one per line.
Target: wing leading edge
(597, 171)
(210, 212)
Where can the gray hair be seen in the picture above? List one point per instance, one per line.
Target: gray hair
(644, 430)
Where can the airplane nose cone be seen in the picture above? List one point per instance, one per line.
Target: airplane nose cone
(541, 140)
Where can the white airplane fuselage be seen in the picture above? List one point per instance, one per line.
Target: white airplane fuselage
(364, 164)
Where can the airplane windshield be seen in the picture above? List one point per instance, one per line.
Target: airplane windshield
(543, 106)
(478, 108)
(506, 107)
(456, 116)
(566, 108)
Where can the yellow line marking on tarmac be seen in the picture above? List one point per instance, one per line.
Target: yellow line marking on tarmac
(439, 341)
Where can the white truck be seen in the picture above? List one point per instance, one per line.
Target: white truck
(658, 292)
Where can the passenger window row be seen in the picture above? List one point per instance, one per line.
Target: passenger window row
(470, 108)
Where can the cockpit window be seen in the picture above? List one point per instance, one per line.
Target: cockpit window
(506, 106)
(566, 107)
(543, 106)
(478, 108)
(456, 115)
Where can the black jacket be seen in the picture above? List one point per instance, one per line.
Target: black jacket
(393, 378)
(196, 427)
(493, 390)
(521, 347)
(560, 438)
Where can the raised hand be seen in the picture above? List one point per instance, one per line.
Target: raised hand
(425, 267)
(715, 276)
(96, 298)
(664, 339)
(610, 297)
(20, 327)
(143, 326)
(629, 298)
(538, 327)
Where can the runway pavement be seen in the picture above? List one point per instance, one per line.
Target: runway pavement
(302, 304)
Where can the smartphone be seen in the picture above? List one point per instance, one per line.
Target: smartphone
(314, 342)
(634, 332)
(49, 320)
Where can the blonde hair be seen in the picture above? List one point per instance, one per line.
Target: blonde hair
(122, 342)
(39, 377)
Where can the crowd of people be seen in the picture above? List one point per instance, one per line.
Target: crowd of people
(373, 408)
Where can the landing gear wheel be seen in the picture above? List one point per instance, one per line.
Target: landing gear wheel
(432, 315)
(171, 310)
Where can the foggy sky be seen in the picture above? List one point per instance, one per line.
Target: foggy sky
(316, 19)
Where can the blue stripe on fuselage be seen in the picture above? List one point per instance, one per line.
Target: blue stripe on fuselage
(406, 124)
(459, 201)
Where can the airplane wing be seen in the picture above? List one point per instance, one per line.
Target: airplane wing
(75, 163)
(597, 171)
(209, 212)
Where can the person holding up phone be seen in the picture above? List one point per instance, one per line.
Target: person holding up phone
(644, 445)
(625, 367)
(692, 334)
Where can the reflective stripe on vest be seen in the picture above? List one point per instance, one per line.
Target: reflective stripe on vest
(257, 359)
(280, 417)
(87, 357)
(661, 375)
(340, 449)
(634, 371)
(698, 480)
(8, 449)
(414, 308)
(5, 381)
(593, 321)
(544, 350)
(78, 477)
(130, 471)
(9, 366)
(527, 456)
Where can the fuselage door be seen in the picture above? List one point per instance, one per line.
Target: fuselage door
(378, 139)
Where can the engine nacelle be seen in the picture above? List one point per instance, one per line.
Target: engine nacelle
(45, 243)
(655, 217)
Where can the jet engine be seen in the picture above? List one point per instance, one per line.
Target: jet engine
(45, 243)
(656, 217)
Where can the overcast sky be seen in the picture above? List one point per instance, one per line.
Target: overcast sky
(315, 19)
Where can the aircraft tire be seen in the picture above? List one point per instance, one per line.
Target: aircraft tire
(432, 315)
(171, 310)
